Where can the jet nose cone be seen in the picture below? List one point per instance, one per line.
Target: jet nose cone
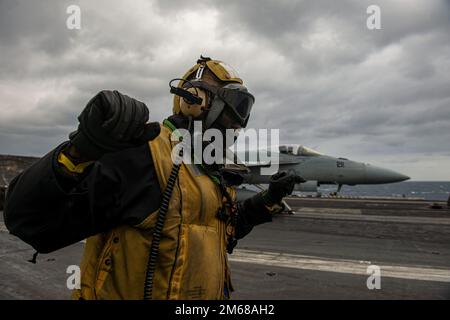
(382, 175)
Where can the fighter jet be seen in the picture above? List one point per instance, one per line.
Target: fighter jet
(318, 169)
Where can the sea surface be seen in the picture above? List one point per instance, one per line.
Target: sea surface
(428, 190)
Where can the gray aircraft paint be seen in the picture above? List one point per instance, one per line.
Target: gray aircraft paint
(322, 169)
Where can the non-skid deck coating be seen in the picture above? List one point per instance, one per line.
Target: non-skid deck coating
(322, 251)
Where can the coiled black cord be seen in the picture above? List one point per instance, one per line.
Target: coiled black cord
(154, 250)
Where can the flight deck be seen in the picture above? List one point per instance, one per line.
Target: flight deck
(328, 248)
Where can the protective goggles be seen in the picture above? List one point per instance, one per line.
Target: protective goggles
(232, 99)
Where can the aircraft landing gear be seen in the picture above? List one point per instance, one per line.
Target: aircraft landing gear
(287, 208)
(335, 193)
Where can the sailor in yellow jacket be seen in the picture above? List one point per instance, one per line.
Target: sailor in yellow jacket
(154, 229)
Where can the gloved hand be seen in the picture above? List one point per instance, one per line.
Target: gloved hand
(112, 122)
(282, 184)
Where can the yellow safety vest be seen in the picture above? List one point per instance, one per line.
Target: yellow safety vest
(192, 262)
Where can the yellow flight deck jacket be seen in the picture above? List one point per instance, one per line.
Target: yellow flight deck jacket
(192, 262)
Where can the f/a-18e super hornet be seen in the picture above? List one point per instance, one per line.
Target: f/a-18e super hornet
(319, 169)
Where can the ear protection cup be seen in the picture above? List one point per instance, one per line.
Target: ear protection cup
(194, 110)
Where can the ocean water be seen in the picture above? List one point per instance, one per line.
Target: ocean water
(427, 190)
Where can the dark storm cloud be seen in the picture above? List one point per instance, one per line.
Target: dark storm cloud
(318, 73)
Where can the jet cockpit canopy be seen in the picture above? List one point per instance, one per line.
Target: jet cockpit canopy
(298, 150)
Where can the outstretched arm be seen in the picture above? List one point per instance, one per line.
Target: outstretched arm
(260, 208)
(53, 204)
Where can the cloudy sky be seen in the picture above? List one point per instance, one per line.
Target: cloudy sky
(318, 73)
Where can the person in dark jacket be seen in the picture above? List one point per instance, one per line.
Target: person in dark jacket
(155, 230)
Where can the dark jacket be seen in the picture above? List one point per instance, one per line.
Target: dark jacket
(50, 210)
